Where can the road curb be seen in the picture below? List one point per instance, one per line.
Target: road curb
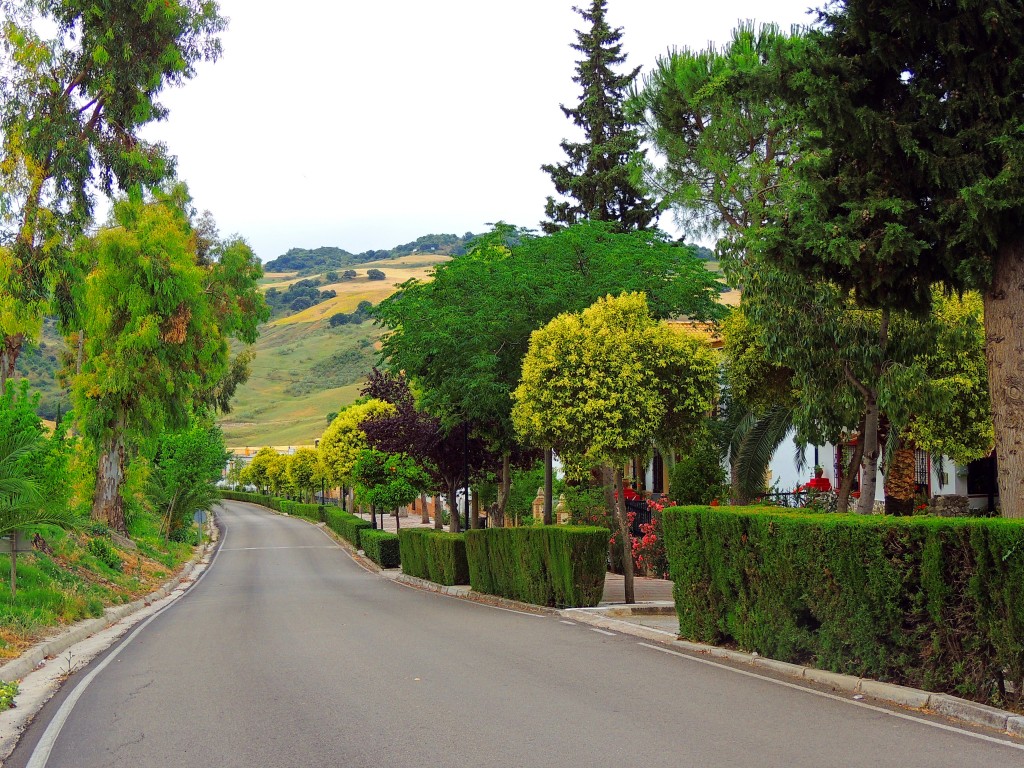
(952, 707)
(465, 592)
(18, 668)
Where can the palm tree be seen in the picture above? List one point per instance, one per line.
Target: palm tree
(22, 502)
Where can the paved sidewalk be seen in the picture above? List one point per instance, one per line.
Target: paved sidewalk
(644, 590)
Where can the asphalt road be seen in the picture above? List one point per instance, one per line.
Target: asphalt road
(287, 653)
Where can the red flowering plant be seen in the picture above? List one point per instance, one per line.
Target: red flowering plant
(649, 555)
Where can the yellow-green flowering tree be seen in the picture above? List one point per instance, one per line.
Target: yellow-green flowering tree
(602, 385)
(344, 439)
(304, 471)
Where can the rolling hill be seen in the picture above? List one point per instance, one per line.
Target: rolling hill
(304, 369)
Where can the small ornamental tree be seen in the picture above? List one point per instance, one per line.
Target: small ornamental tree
(344, 440)
(601, 386)
(257, 471)
(304, 471)
(388, 481)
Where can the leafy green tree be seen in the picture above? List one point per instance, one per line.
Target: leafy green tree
(461, 337)
(344, 439)
(725, 156)
(597, 176)
(305, 471)
(388, 481)
(258, 470)
(82, 81)
(277, 473)
(187, 465)
(157, 318)
(602, 385)
(911, 173)
(375, 274)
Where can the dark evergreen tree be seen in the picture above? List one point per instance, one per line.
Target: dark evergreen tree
(911, 173)
(597, 176)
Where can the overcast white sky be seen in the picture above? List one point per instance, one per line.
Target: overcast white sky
(367, 124)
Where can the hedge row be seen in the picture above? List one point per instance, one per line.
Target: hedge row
(297, 509)
(346, 525)
(555, 565)
(262, 499)
(934, 603)
(382, 547)
(434, 555)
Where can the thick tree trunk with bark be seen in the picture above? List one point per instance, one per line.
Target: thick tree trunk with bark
(1004, 351)
(453, 512)
(474, 510)
(872, 421)
(10, 349)
(424, 512)
(899, 482)
(869, 460)
(107, 505)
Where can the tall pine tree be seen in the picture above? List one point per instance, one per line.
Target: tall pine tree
(597, 176)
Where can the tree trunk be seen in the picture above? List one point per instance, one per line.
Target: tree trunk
(843, 501)
(1004, 351)
(10, 349)
(548, 486)
(615, 475)
(373, 517)
(453, 516)
(504, 489)
(107, 505)
(869, 459)
(424, 512)
(899, 481)
(869, 437)
(474, 510)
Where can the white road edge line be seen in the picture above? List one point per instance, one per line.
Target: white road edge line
(41, 753)
(602, 631)
(570, 623)
(834, 697)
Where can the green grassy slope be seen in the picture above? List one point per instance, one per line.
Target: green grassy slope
(304, 369)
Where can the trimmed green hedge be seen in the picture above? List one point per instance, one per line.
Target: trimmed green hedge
(434, 555)
(346, 525)
(556, 565)
(297, 509)
(253, 498)
(934, 603)
(382, 547)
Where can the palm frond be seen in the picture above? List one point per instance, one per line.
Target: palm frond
(759, 446)
(739, 434)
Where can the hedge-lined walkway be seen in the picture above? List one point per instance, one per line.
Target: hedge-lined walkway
(645, 590)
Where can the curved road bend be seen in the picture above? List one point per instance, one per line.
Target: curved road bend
(287, 653)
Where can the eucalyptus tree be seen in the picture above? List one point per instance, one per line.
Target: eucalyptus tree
(81, 80)
(157, 320)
